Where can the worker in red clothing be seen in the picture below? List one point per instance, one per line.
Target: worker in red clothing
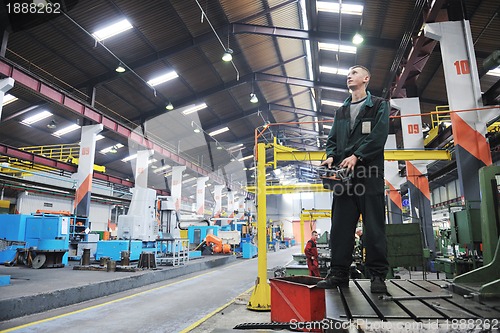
(311, 252)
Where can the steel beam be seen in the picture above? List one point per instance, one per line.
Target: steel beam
(282, 153)
(81, 108)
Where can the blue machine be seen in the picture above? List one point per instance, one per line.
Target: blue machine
(45, 238)
(113, 249)
(197, 234)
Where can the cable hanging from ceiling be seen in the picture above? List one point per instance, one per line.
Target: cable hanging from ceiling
(228, 53)
(122, 67)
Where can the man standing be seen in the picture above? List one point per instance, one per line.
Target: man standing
(356, 142)
(311, 252)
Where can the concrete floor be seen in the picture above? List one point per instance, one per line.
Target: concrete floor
(210, 300)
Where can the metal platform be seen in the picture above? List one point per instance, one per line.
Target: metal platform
(409, 304)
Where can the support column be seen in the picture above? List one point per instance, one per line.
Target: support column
(85, 169)
(241, 206)
(218, 200)
(472, 150)
(261, 296)
(141, 168)
(177, 185)
(5, 85)
(393, 181)
(416, 171)
(200, 195)
(231, 207)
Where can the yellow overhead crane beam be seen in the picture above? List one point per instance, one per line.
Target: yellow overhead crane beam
(286, 189)
(283, 153)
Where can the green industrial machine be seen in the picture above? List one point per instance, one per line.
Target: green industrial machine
(404, 246)
(484, 281)
(464, 237)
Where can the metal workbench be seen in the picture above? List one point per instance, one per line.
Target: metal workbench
(409, 306)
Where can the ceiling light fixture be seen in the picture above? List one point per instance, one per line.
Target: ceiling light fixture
(52, 124)
(112, 30)
(169, 106)
(66, 130)
(219, 131)
(357, 39)
(254, 98)
(36, 118)
(163, 78)
(228, 55)
(194, 109)
(120, 68)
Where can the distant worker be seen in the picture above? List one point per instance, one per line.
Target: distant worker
(311, 252)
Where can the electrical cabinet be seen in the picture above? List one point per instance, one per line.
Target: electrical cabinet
(78, 230)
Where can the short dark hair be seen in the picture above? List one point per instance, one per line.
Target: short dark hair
(314, 232)
(362, 67)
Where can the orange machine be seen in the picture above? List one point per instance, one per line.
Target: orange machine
(217, 246)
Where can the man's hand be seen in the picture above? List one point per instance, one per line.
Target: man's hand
(328, 162)
(349, 162)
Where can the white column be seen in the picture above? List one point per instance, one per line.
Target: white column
(200, 195)
(176, 189)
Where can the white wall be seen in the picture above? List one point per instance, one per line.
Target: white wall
(288, 207)
(30, 203)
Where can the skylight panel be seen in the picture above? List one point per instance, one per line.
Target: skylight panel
(112, 30)
(195, 108)
(163, 78)
(36, 118)
(337, 47)
(334, 70)
(7, 99)
(66, 130)
(349, 9)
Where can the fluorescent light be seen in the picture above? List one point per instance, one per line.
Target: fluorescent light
(332, 103)
(331, 7)
(152, 160)
(8, 99)
(235, 147)
(494, 72)
(162, 168)
(128, 158)
(245, 158)
(333, 70)
(66, 130)
(219, 131)
(194, 109)
(36, 118)
(163, 78)
(337, 47)
(111, 149)
(99, 137)
(188, 180)
(112, 30)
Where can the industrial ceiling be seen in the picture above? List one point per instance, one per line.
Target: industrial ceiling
(278, 54)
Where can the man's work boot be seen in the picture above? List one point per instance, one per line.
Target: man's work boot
(378, 285)
(333, 281)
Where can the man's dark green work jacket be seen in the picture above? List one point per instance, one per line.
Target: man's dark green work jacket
(366, 140)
